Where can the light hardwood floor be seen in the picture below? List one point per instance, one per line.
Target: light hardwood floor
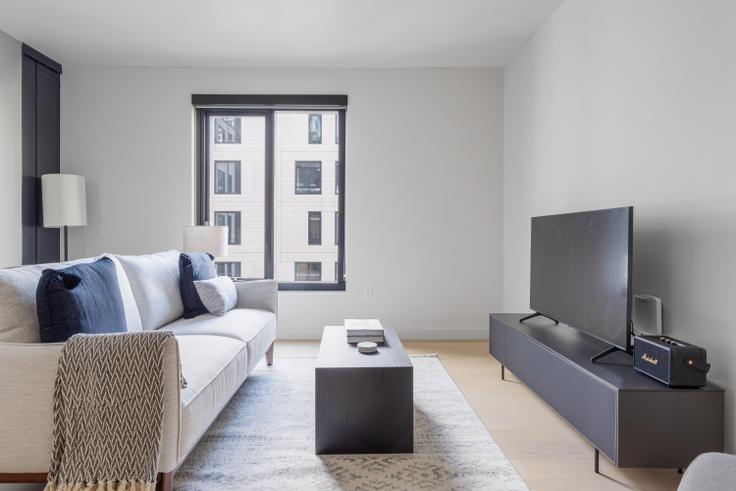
(546, 452)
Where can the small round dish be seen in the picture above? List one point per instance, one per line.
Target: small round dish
(367, 347)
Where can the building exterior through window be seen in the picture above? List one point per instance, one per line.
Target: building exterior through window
(306, 172)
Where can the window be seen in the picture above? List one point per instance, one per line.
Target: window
(337, 177)
(269, 188)
(314, 226)
(231, 220)
(227, 177)
(228, 268)
(315, 128)
(227, 130)
(337, 228)
(308, 177)
(308, 271)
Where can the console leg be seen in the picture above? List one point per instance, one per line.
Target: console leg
(596, 461)
(503, 372)
(679, 470)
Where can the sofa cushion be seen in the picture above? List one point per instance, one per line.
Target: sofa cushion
(257, 328)
(84, 298)
(218, 295)
(154, 280)
(132, 316)
(18, 318)
(194, 266)
(214, 367)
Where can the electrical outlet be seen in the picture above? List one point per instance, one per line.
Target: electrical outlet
(367, 291)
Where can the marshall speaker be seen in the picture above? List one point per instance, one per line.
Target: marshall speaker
(671, 361)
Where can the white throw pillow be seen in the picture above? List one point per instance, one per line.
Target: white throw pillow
(218, 295)
(154, 280)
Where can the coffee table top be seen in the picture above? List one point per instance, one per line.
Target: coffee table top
(335, 352)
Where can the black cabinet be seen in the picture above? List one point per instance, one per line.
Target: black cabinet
(633, 419)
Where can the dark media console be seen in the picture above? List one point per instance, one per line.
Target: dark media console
(632, 419)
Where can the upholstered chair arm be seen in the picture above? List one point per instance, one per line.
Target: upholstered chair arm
(27, 378)
(258, 294)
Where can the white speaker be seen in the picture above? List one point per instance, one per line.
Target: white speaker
(647, 315)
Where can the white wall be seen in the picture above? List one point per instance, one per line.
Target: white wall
(423, 170)
(10, 151)
(634, 103)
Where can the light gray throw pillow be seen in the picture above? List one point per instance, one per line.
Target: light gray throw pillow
(218, 295)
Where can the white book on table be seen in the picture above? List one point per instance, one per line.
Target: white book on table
(363, 327)
(370, 339)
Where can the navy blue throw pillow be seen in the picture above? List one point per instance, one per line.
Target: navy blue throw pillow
(84, 298)
(194, 266)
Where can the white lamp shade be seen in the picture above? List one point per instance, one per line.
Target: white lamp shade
(203, 238)
(64, 200)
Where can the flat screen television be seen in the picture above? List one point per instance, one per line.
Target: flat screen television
(581, 271)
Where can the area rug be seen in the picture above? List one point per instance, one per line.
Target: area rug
(264, 440)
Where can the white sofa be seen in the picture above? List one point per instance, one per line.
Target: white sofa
(215, 354)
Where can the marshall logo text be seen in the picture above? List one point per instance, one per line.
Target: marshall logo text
(649, 359)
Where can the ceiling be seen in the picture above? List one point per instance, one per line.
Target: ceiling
(276, 33)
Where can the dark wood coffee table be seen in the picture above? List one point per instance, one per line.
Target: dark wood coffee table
(364, 403)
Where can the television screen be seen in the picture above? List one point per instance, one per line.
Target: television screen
(581, 271)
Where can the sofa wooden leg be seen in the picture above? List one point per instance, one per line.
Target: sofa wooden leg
(165, 481)
(269, 355)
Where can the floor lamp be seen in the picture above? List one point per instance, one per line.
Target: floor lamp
(64, 203)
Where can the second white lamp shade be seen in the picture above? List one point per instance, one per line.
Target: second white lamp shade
(64, 200)
(203, 238)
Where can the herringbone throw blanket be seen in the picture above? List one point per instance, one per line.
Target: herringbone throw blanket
(108, 412)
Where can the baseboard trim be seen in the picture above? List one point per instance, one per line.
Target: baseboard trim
(406, 334)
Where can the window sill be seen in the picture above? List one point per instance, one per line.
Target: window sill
(295, 286)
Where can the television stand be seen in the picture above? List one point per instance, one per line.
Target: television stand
(628, 417)
(605, 353)
(538, 314)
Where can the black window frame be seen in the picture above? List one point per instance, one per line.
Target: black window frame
(236, 180)
(314, 216)
(307, 164)
(309, 266)
(238, 218)
(207, 105)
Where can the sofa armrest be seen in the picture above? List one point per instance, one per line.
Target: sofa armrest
(27, 379)
(258, 294)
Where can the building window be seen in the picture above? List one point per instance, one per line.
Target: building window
(231, 269)
(227, 130)
(308, 271)
(231, 220)
(227, 177)
(315, 128)
(315, 228)
(337, 177)
(308, 177)
(337, 228)
(268, 184)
